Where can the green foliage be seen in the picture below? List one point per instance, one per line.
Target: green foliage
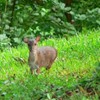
(75, 74)
(20, 18)
(86, 13)
(31, 19)
(4, 41)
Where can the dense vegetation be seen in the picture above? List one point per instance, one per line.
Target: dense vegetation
(72, 27)
(75, 75)
(48, 18)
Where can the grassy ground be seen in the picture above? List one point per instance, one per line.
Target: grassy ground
(73, 76)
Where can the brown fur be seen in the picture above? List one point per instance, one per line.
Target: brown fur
(40, 56)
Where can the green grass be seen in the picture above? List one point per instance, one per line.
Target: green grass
(68, 77)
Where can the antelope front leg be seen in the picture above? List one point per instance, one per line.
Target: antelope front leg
(31, 70)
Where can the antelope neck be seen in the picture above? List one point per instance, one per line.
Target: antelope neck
(33, 54)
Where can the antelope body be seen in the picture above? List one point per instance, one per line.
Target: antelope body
(40, 56)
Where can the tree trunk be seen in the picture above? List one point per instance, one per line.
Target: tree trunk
(12, 14)
(68, 16)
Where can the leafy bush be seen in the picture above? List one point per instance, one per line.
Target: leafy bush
(90, 19)
(47, 18)
(86, 13)
(4, 41)
(21, 19)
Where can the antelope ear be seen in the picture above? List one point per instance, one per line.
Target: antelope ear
(26, 40)
(37, 38)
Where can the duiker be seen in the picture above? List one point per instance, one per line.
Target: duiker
(40, 56)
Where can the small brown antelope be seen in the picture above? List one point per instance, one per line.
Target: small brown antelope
(40, 56)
